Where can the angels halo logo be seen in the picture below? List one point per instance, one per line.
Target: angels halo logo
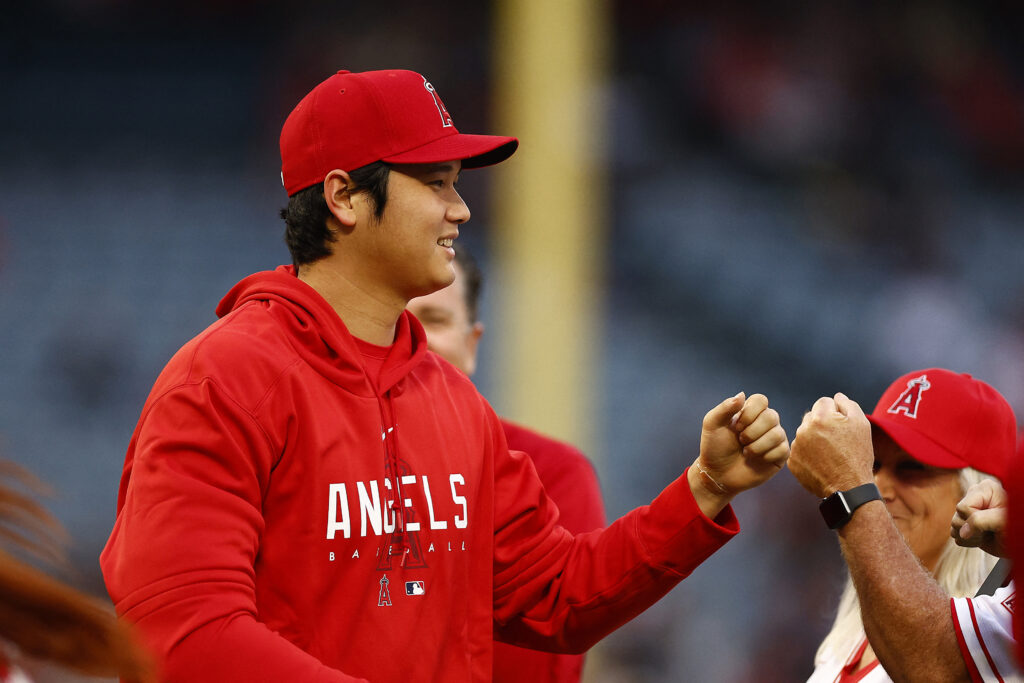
(908, 401)
(384, 596)
(446, 118)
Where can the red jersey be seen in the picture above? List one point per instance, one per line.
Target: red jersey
(1015, 538)
(281, 517)
(571, 483)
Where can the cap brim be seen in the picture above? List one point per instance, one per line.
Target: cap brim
(917, 445)
(474, 151)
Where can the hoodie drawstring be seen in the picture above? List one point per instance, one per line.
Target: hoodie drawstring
(393, 473)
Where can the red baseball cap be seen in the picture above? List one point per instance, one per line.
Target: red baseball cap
(950, 420)
(354, 119)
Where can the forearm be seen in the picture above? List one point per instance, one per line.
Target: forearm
(582, 588)
(905, 612)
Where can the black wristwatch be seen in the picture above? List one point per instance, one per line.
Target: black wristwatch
(838, 508)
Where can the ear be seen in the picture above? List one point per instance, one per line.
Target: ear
(472, 343)
(338, 195)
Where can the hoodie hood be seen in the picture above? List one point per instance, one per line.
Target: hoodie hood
(319, 336)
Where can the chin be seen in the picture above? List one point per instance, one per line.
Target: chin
(428, 288)
(442, 280)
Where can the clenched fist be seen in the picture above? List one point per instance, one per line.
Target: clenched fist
(832, 449)
(742, 445)
(980, 519)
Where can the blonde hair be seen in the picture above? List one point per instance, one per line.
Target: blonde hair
(44, 618)
(960, 572)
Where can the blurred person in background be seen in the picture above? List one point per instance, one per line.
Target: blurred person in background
(890, 483)
(43, 621)
(451, 321)
(309, 495)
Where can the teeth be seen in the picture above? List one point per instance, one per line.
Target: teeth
(446, 242)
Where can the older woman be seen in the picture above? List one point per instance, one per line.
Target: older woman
(890, 483)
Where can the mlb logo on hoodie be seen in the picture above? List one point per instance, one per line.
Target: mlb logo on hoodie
(414, 588)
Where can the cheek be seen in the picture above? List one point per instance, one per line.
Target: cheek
(944, 507)
(443, 342)
(936, 511)
(948, 495)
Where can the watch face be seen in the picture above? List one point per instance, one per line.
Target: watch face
(834, 510)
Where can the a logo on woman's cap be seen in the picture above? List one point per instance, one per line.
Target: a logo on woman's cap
(910, 399)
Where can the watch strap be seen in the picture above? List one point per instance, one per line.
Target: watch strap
(838, 508)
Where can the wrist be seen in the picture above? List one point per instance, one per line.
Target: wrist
(711, 496)
(838, 508)
(847, 483)
(713, 486)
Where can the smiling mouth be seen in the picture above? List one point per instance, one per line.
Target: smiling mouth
(446, 241)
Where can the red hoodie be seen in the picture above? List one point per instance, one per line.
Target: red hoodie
(281, 519)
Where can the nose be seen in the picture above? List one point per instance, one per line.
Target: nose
(458, 210)
(886, 484)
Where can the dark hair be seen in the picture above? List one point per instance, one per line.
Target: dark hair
(473, 279)
(305, 217)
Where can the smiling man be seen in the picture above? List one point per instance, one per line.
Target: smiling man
(311, 496)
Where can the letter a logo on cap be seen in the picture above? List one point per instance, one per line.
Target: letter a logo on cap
(446, 118)
(911, 397)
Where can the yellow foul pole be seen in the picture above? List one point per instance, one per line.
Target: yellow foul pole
(551, 212)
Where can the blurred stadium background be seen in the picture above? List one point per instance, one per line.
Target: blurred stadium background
(795, 198)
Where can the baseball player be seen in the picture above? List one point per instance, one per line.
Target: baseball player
(309, 495)
(889, 483)
(449, 317)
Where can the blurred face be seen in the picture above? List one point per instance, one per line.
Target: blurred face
(450, 332)
(920, 498)
(409, 249)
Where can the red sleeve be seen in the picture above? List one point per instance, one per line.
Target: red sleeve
(1015, 538)
(560, 593)
(179, 563)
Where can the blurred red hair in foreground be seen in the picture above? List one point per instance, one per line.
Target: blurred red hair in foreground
(43, 618)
